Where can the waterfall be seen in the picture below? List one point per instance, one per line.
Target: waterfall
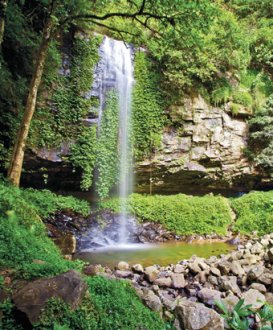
(115, 72)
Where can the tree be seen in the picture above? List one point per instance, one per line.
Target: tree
(3, 7)
(58, 15)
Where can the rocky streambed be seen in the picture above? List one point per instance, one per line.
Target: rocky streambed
(187, 291)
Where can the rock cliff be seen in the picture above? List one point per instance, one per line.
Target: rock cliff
(202, 149)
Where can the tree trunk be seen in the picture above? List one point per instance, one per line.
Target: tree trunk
(16, 164)
(3, 8)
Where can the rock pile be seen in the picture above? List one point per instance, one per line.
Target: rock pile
(190, 288)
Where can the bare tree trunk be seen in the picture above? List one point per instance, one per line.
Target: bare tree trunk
(3, 8)
(16, 164)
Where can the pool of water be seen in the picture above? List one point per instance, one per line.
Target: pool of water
(149, 254)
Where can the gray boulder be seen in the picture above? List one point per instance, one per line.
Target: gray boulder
(209, 296)
(32, 298)
(255, 298)
(195, 316)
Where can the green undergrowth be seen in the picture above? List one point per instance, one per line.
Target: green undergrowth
(28, 253)
(186, 215)
(111, 305)
(181, 214)
(25, 246)
(27, 203)
(254, 212)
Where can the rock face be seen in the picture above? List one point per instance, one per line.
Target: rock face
(195, 316)
(205, 149)
(32, 298)
(203, 146)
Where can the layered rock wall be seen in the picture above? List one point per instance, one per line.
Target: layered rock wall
(203, 148)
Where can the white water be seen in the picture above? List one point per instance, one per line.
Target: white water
(117, 73)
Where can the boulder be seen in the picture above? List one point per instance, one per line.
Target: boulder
(123, 273)
(152, 300)
(254, 298)
(92, 270)
(229, 283)
(215, 271)
(236, 268)
(224, 267)
(213, 280)
(270, 255)
(266, 278)
(194, 267)
(257, 248)
(178, 281)
(230, 301)
(179, 268)
(255, 272)
(209, 296)
(195, 316)
(138, 268)
(151, 273)
(122, 265)
(32, 298)
(258, 286)
(164, 281)
(269, 297)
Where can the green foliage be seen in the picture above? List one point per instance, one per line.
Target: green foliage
(237, 319)
(178, 213)
(27, 252)
(254, 212)
(119, 307)
(31, 203)
(7, 321)
(148, 115)
(261, 138)
(1, 281)
(107, 146)
(62, 108)
(23, 235)
(235, 108)
(112, 305)
(83, 155)
(243, 97)
(222, 92)
(265, 316)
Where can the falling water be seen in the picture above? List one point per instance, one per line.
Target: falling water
(115, 71)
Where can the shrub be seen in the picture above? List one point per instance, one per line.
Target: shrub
(179, 213)
(254, 212)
